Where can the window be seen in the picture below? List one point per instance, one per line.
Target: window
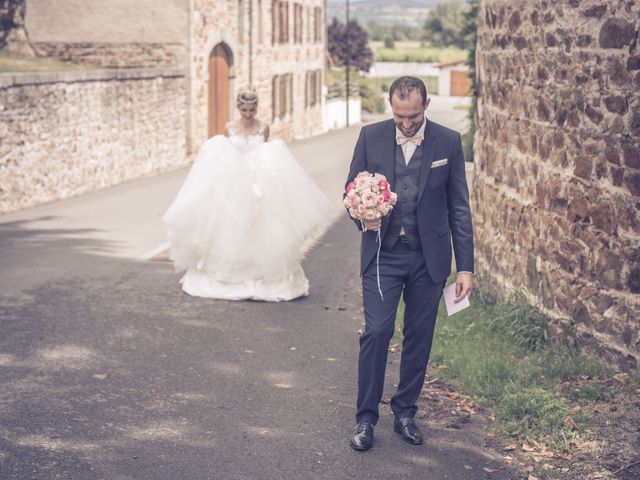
(282, 95)
(298, 12)
(275, 22)
(317, 24)
(313, 88)
(279, 22)
(260, 23)
(241, 21)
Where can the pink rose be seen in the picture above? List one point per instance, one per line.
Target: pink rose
(353, 200)
(383, 184)
(369, 199)
(384, 208)
(394, 198)
(370, 214)
(351, 186)
(362, 183)
(360, 209)
(386, 195)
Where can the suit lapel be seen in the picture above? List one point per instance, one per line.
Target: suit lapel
(389, 150)
(428, 154)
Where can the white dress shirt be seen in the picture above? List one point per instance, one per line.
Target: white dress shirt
(409, 148)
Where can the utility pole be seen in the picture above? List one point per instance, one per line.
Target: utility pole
(251, 43)
(347, 62)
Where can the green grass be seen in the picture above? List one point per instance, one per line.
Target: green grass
(499, 354)
(15, 63)
(419, 54)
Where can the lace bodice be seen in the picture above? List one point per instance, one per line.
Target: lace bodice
(242, 137)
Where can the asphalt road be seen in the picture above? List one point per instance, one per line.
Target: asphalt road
(108, 371)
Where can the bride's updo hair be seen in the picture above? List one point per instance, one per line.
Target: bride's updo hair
(247, 95)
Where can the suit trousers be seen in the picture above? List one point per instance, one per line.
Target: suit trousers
(402, 273)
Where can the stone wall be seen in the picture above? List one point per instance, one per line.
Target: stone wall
(68, 133)
(557, 180)
(115, 55)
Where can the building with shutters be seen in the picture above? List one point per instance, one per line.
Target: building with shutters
(277, 46)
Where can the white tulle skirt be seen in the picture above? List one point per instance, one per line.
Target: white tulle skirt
(239, 221)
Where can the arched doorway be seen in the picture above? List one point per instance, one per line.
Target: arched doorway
(220, 62)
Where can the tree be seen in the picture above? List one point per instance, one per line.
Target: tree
(349, 42)
(442, 27)
(13, 35)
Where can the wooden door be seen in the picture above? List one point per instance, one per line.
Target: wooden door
(219, 101)
(460, 83)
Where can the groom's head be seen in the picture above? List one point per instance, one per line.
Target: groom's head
(408, 99)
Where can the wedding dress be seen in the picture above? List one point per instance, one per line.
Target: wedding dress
(239, 220)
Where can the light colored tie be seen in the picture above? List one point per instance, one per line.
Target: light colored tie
(416, 139)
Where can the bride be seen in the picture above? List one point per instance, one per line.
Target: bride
(238, 222)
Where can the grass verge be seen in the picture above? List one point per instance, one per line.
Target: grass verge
(499, 355)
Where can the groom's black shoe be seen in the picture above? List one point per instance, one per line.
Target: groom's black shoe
(362, 437)
(408, 429)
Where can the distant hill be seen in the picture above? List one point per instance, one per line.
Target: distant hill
(412, 13)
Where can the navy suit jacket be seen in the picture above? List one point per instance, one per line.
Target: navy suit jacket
(443, 197)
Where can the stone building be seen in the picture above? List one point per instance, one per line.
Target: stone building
(557, 182)
(275, 45)
(166, 78)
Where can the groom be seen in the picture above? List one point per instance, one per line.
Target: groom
(424, 164)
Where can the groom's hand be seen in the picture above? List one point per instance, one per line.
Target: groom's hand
(464, 285)
(371, 224)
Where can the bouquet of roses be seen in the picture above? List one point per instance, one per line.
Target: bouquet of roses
(368, 197)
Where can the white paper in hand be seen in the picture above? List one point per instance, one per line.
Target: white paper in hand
(449, 295)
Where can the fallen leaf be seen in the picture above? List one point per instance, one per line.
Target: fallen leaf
(531, 477)
(511, 447)
(489, 470)
(468, 467)
(467, 409)
(621, 377)
(547, 467)
(100, 376)
(528, 448)
(570, 424)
